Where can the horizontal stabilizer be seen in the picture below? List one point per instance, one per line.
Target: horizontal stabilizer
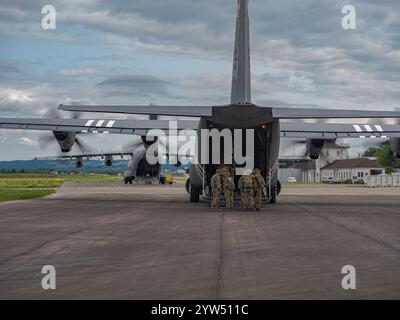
(310, 113)
(188, 111)
(338, 130)
(133, 127)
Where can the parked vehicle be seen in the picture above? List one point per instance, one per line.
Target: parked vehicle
(359, 181)
(128, 177)
(329, 180)
(166, 178)
(347, 181)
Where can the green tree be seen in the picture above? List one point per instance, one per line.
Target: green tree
(370, 152)
(385, 157)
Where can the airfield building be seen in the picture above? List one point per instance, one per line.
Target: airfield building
(336, 163)
(354, 169)
(339, 170)
(310, 171)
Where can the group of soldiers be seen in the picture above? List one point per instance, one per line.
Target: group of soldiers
(251, 185)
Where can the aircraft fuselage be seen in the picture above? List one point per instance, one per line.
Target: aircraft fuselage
(266, 144)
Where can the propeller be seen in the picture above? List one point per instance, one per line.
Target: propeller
(304, 147)
(293, 147)
(65, 139)
(81, 145)
(47, 138)
(142, 141)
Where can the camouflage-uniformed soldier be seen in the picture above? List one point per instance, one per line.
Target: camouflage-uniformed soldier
(229, 188)
(216, 188)
(246, 188)
(259, 188)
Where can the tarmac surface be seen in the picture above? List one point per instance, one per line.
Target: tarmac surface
(150, 242)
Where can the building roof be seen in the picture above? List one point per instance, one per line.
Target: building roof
(309, 165)
(353, 163)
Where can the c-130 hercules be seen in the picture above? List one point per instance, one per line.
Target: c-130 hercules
(241, 113)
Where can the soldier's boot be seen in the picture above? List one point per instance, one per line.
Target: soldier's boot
(215, 207)
(250, 205)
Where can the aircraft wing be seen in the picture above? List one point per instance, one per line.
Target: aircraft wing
(336, 130)
(189, 111)
(132, 127)
(86, 155)
(311, 113)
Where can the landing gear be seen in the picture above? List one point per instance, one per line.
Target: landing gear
(273, 194)
(278, 187)
(187, 185)
(194, 194)
(129, 180)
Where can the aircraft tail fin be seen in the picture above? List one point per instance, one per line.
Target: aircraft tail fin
(241, 86)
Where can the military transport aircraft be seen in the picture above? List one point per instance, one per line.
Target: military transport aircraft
(241, 113)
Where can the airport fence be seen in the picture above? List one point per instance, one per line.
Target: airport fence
(383, 180)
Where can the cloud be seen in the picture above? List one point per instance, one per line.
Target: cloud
(26, 141)
(120, 52)
(15, 96)
(142, 85)
(4, 68)
(78, 72)
(301, 44)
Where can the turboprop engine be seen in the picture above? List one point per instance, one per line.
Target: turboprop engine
(79, 162)
(108, 161)
(65, 140)
(394, 144)
(314, 147)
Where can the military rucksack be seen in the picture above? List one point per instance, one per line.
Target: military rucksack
(247, 182)
(259, 183)
(216, 182)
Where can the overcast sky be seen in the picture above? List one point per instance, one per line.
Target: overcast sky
(180, 52)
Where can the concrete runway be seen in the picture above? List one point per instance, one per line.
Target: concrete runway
(149, 242)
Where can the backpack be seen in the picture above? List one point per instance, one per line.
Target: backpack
(247, 182)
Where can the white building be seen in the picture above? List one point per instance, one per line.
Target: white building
(311, 170)
(335, 162)
(354, 169)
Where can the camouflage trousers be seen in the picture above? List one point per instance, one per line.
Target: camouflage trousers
(229, 198)
(216, 196)
(257, 198)
(247, 199)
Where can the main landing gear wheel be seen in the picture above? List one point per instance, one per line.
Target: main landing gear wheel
(187, 185)
(273, 195)
(194, 194)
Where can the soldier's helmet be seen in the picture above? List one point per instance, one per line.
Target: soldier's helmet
(255, 171)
